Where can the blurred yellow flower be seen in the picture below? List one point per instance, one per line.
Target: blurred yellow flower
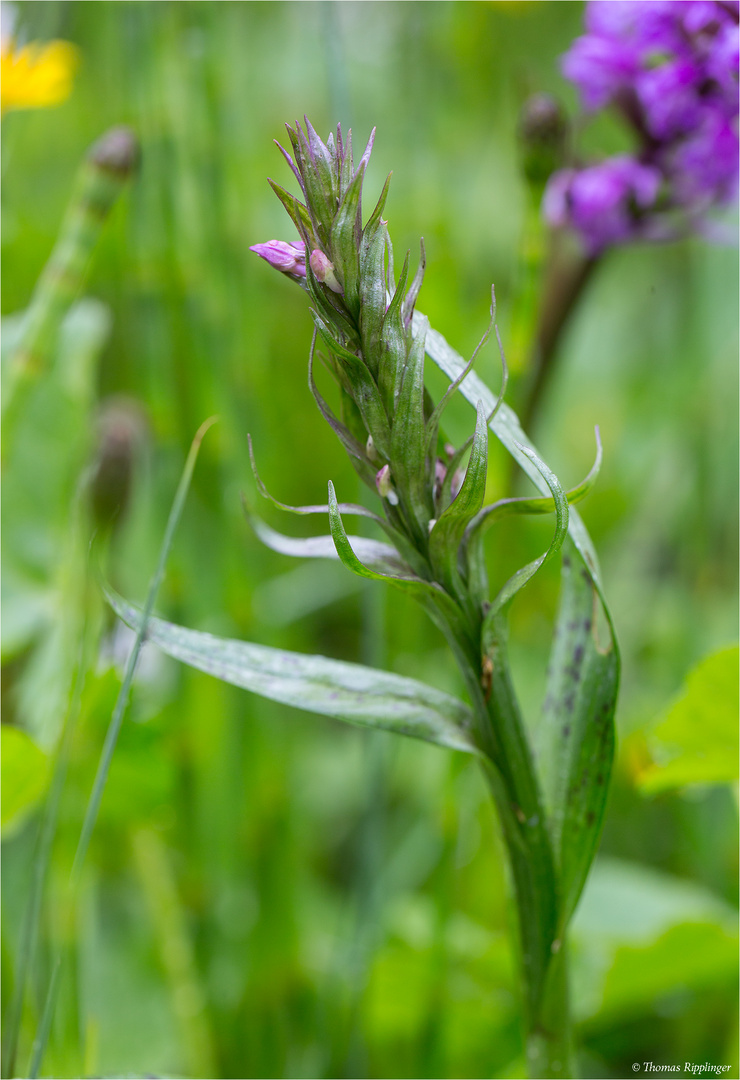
(36, 76)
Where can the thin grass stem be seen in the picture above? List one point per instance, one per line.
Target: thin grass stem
(111, 738)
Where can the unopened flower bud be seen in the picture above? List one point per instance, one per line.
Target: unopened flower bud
(440, 472)
(288, 258)
(117, 151)
(543, 133)
(384, 484)
(371, 451)
(120, 436)
(323, 270)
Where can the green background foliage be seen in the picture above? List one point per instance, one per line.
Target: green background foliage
(273, 894)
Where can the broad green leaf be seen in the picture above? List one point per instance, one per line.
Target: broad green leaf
(639, 933)
(696, 741)
(25, 773)
(351, 692)
(576, 735)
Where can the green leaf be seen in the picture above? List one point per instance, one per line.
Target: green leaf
(400, 541)
(315, 168)
(350, 692)
(441, 608)
(585, 673)
(393, 342)
(576, 736)
(518, 580)
(507, 429)
(696, 740)
(364, 390)
(344, 241)
(408, 441)
(640, 933)
(504, 508)
(356, 453)
(436, 415)
(381, 557)
(296, 210)
(373, 290)
(409, 301)
(445, 537)
(25, 774)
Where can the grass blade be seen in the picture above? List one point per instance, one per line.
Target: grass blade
(111, 738)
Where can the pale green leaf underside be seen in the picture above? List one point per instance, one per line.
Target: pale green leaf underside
(350, 692)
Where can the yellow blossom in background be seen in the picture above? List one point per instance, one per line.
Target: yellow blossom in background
(36, 76)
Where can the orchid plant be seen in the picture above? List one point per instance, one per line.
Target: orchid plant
(550, 797)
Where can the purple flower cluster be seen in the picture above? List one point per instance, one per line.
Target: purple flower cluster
(671, 68)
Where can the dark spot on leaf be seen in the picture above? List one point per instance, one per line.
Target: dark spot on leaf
(587, 625)
(568, 702)
(586, 576)
(600, 778)
(566, 562)
(566, 731)
(573, 625)
(578, 654)
(590, 818)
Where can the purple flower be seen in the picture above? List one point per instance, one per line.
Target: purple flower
(669, 98)
(288, 258)
(668, 56)
(599, 68)
(671, 68)
(605, 203)
(703, 168)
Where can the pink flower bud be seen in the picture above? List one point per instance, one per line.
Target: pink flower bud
(384, 484)
(323, 270)
(288, 258)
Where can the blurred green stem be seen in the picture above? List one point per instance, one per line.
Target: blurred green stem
(566, 275)
(105, 170)
(549, 1035)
